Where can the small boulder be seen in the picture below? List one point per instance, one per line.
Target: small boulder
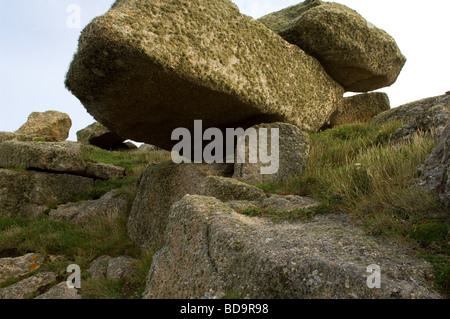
(27, 287)
(53, 126)
(98, 135)
(99, 267)
(361, 108)
(291, 156)
(356, 54)
(120, 267)
(19, 266)
(60, 292)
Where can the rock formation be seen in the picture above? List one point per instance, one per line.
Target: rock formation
(52, 126)
(356, 54)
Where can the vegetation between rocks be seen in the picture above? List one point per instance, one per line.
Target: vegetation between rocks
(355, 169)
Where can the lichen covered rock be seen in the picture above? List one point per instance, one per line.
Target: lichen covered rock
(53, 126)
(354, 52)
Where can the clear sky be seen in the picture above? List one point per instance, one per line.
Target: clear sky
(36, 47)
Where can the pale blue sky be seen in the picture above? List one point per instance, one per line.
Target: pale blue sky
(36, 48)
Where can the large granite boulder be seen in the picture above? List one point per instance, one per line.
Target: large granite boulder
(146, 68)
(98, 135)
(354, 52)
(290, 156)
(211, 250)
(53, 126)
(158, 189)
(361, 108)
(435, 172)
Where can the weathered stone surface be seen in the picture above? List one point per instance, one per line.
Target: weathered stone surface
(229, 189)
(104, 171)
(28, 194)
(99, 267)
(360, 108)
(82, 213)
(53, 126)
(436, 169)
(98, 135)
(53, 157)
(206, 60)
(288, 203)
(159, 187)
(354, 52)
(211, 250)
(148, 148)
(425, 115)
(19, 266)
(27, 287)
(293, 154)
(60, 291)
(120, 267)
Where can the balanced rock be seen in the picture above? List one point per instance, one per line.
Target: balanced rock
(53, 126)
(146, 68)
(354, 52)
(98, 135)
(361, 108)
(436, 169)
(287, 160)
(211, 250)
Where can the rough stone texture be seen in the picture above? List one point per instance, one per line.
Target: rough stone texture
(288, 203)
(28, 194)
(159, 187)
(98, 135)
(425, 114)
(360, 108)
(211, 250)
(206, 61)
(104, 171)
(294, 147)
(19, 266)
(148, 148)
(120, 267)
(99, 267)
(229, 189)
(29, 286)
(354, 52)
(53, 157)
(436, 169)
(53, 126)
(82, 213)
(60, 291)
(8, 136)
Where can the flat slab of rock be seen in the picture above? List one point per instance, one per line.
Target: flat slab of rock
(53, 126)
(361, 108)
(29, 194)
(53, 157)
(104, 171)
(159, 188)
(60, 291)
(25, 288)
(210, 249)
(287, 161)
(207, 62)
(19, 266)
(82, 213)
(230, 189)
(354, 52)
